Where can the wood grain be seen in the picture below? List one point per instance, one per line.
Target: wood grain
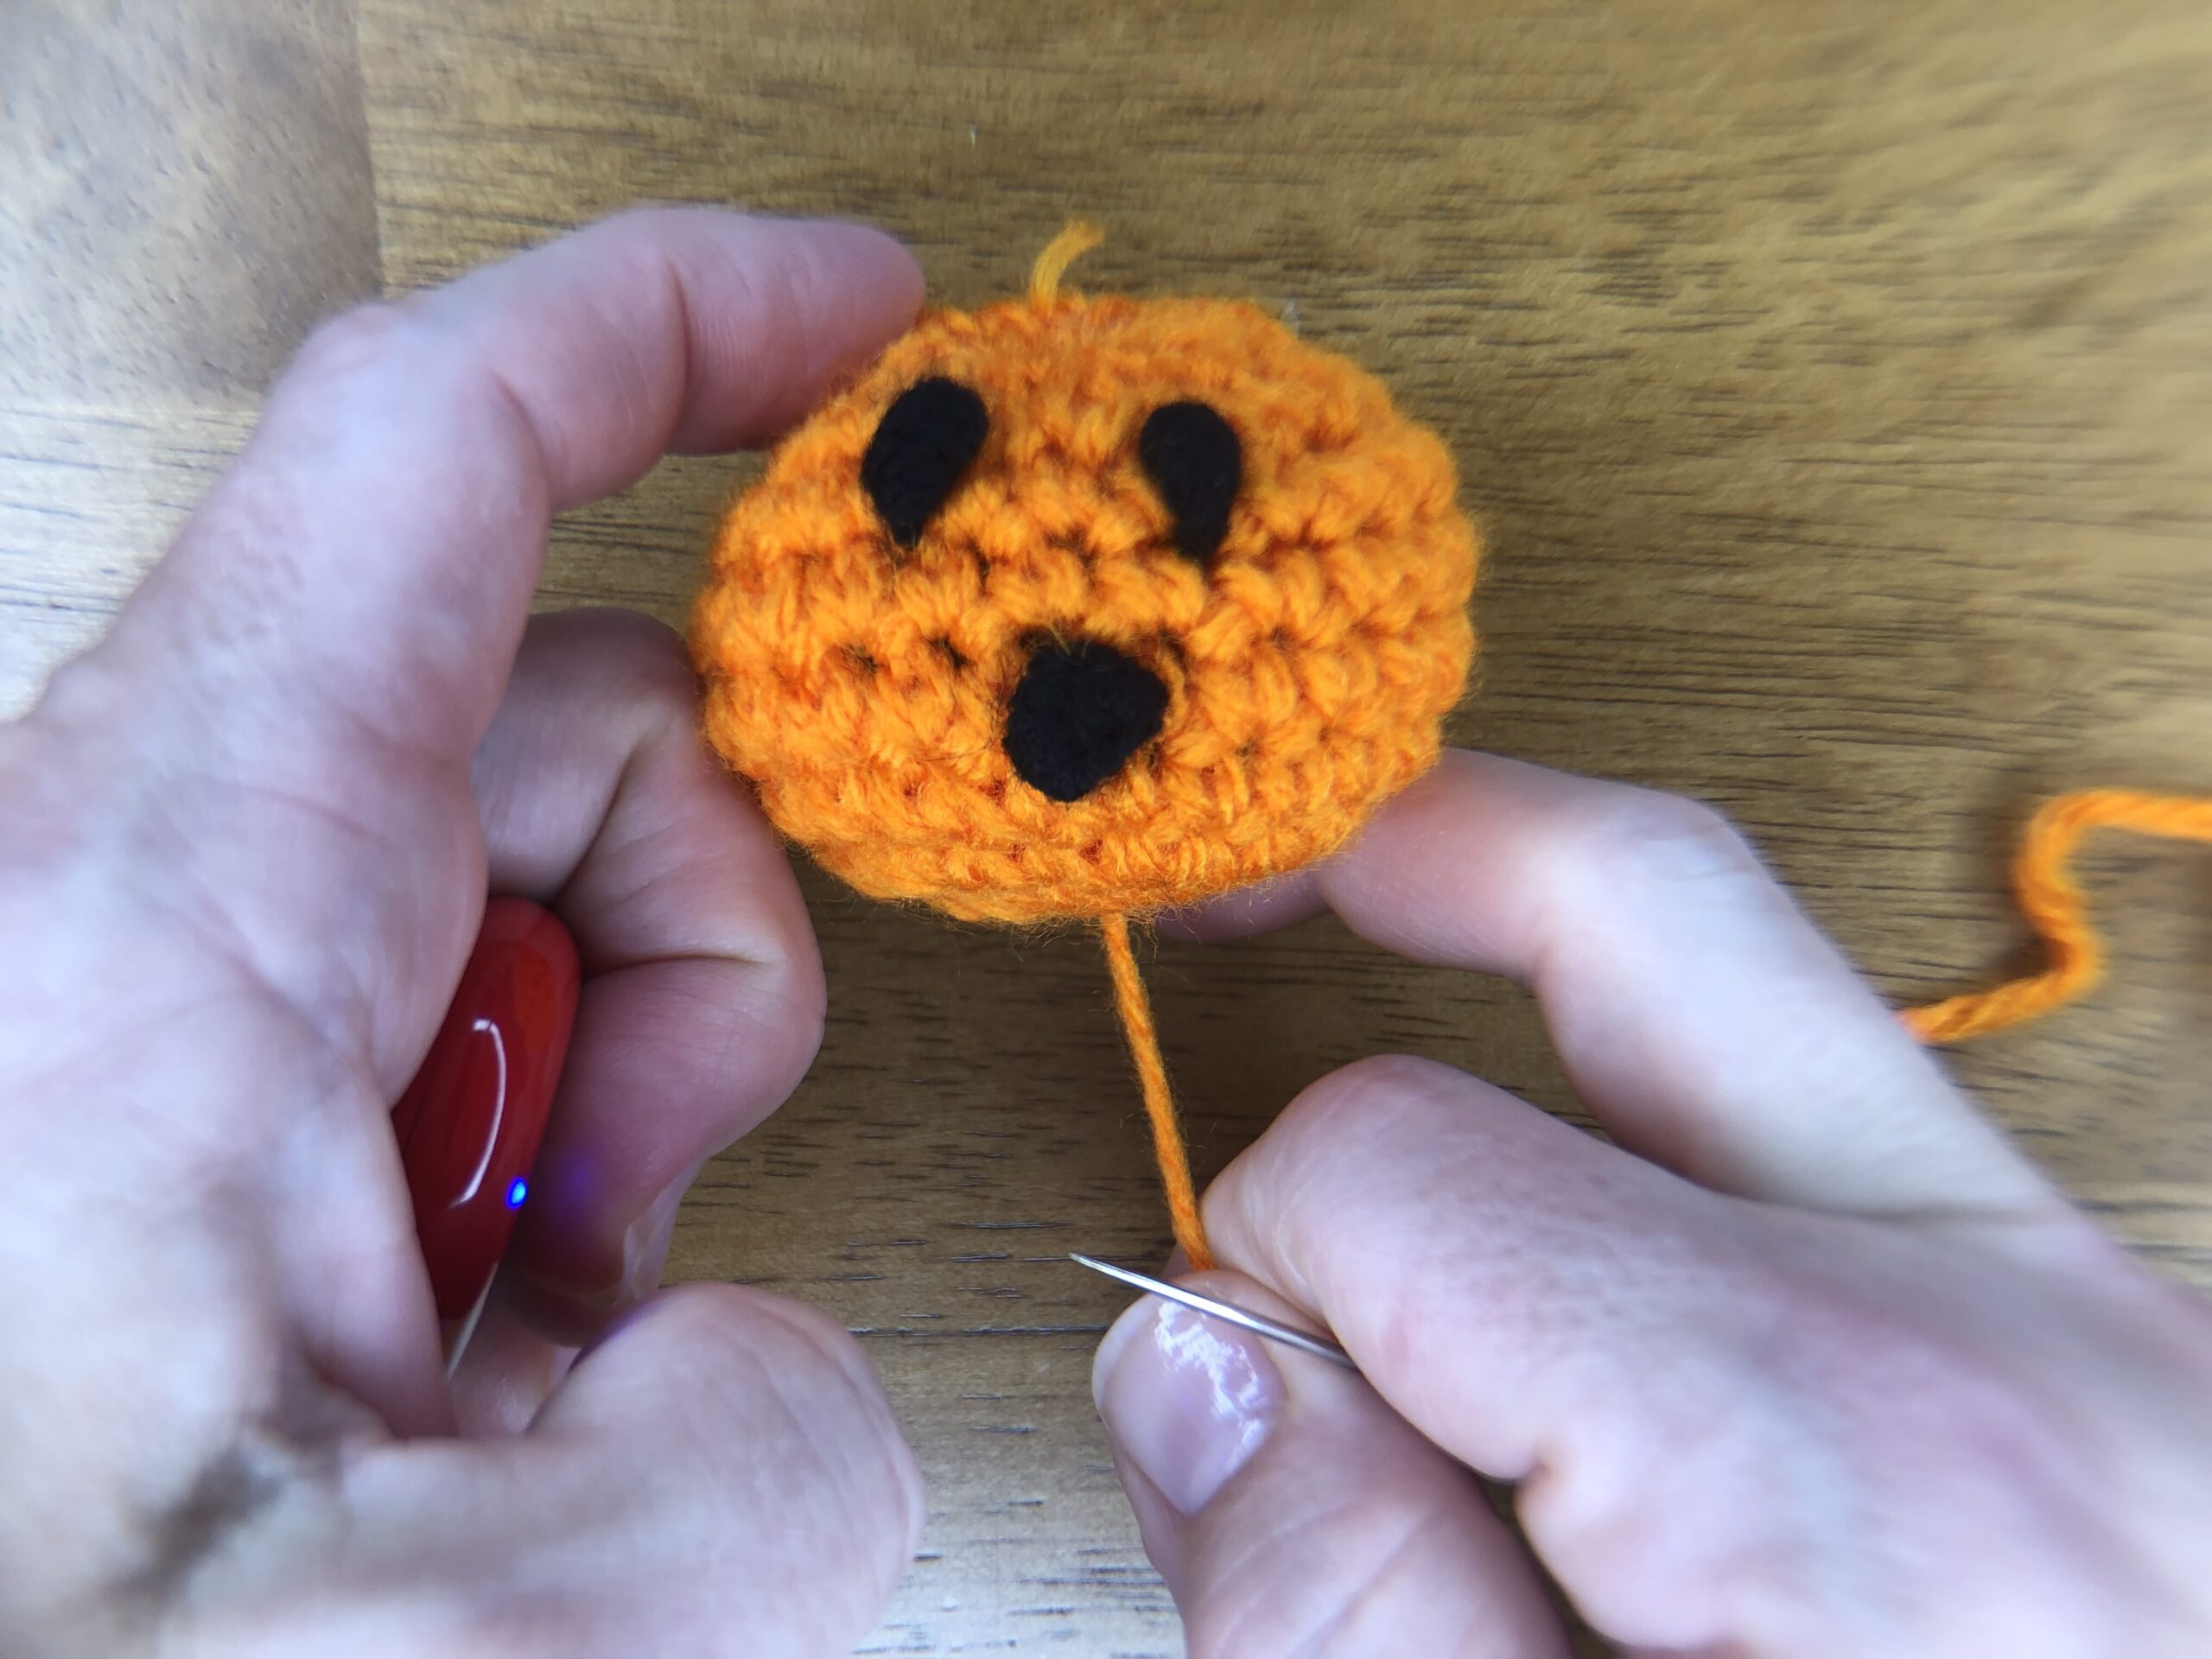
(1832, 387)
(183, 194)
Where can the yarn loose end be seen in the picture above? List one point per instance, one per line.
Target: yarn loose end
(1167, 1139)
(2052, 901)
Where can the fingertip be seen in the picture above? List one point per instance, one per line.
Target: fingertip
(721, 1465)
(1380, 1113)
(696, 329)
(786, 310)
(731, 1352)
(503, 1375)
(1288, 1508)
(888, 267)
(1264, 908)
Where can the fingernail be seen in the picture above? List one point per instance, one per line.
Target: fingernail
(645, 1243)
(1187, 1400)
(645, 1246)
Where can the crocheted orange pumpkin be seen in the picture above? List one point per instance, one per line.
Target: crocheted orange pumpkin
(1074, 607)
(1085, 608)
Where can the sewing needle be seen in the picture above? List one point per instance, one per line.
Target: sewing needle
(1319, 1347)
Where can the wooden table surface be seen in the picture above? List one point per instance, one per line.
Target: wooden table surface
(1833, 385)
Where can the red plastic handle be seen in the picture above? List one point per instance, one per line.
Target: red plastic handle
(469, 1124)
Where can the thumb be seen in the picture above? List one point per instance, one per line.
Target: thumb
(1292, 1511)
(721, 1475)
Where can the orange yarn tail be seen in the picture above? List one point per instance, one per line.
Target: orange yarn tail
(1063, 251)
(2052, 904)
(1159, 1099)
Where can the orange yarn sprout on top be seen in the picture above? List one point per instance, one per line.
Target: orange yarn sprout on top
(1054, 669)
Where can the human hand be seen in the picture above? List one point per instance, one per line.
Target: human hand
(1810, 1363)
(244, 849)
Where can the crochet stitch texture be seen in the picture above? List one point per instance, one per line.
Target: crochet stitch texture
(863, 685)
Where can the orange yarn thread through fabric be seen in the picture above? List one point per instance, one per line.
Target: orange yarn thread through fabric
(1159, 1099)
(2052, 903)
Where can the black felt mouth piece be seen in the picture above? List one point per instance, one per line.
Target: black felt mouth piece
(1079, 712)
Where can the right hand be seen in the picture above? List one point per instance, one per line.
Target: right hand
(1811, 1363)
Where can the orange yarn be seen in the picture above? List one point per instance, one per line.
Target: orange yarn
(1063, 251)
(1159, 1099)
(864, 682)
(864, 687)
(2053, 905)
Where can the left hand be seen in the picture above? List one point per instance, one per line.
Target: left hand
(244, 847)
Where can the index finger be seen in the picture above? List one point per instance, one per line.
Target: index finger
(288, 706)
(364, 570)
(1698, 1012)
(1689, 1388)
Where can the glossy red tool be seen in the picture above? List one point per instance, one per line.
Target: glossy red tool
(470, 1123)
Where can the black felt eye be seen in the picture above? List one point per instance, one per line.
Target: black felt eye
(925, 441)
(1194, 460)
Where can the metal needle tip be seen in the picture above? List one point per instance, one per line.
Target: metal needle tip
(1319, 1347)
